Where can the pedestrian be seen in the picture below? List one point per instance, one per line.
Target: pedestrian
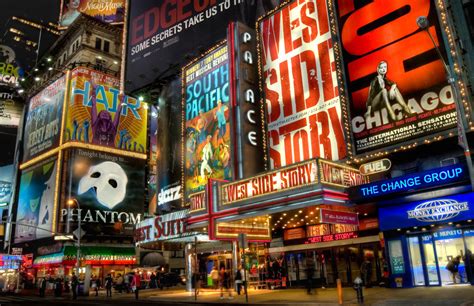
(58, 287)
(119, 283)
(198, 281)
(126, 282)
(366, 271)
(215, 277)
(74, 285)
(95, 284)
(309, 278)
(453, 267)
(108, 285)
(153, 283)
(238, 280)
(136, 283)
(42, 286)
(224, 282)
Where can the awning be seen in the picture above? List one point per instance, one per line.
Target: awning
(90, 255)
(153, 259)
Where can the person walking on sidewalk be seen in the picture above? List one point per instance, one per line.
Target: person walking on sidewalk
(238, 280)
(215, 277)
(108, 285)
(224, 282)
(74, 285)
(136, 283)
(42, 286)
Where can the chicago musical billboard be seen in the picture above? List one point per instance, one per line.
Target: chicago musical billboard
(396, 81)
(43, 120)
(108, 11)
(300, 85)
(207, 114)
(36, 202)
(105, 190)
(98, 114)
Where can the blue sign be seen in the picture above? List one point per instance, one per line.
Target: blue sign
(453, 208)
(431, 178)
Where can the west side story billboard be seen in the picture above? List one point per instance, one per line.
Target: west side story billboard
(207, 114)
(300, 85)
(397, 84)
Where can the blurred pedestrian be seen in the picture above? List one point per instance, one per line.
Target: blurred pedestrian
(108, 285)
(224, 282)
(215, 277)
(136, 283)
(42, 286)
(74, 285)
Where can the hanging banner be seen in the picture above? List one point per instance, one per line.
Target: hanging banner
(300, 85)
(396, 80)
(6, 177)
(43, 120)
(207, 114)
(108, 11)
(34, 219)
(10, 109)
(98, 114)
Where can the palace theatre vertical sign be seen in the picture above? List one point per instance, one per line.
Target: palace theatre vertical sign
(300, 85)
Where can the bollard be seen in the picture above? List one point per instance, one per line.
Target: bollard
(339, 291)
(358, 289)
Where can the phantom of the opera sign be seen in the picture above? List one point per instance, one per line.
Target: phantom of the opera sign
(300, 85)
(106, 192)
(396, 81)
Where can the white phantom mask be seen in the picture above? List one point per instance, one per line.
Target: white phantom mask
(109, 182)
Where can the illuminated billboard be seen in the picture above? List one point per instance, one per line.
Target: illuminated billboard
(396, 81)
(106, 190)
(36, 202)
(108, 11)
(43, 120)
(300, 85)
(207, 114)
(11, 110)
(98, 114)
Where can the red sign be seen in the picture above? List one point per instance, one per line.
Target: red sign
(294, 233)
(300, 85)
(338, 175)
(332, 237)
(369, 223)
(162, 227)
(197, 202)
(338, 217)
(270, 182)
(318, 230)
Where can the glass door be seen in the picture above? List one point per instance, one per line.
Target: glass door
(450, 252)
(416, 261)
(430, 260)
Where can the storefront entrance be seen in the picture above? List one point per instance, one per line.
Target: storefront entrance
(433, 257)
(342, 262)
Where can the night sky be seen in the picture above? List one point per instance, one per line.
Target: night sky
(34, 10)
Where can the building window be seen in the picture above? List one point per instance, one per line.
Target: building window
(106, 46)
(98, 43)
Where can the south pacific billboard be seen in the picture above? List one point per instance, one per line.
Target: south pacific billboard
(108, 11)
(105, 190)
(397, 83)
(207, 114)
(43, 120)
(300, 85)
(36, 200)
(98, 114)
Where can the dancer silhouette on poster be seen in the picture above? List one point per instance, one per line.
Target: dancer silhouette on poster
(382, 91)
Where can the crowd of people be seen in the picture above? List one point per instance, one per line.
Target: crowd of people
(130, 282)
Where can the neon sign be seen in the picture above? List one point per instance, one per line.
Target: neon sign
(436, 177)
(332, 237)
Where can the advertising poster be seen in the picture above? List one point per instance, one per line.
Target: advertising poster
(108, 11)
(300, 85)
(36, 202)
(10, 109)
(152, 159)
(98, 114)
(165, 34)
(6, 176)
(207, 114)
(396, 81)
(43, 120)
(106, 190)
(10, 70)
(169, 163)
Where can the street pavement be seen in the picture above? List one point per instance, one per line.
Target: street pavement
(423, 296)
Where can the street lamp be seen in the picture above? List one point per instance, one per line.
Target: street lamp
(424, 24)
(71, 202)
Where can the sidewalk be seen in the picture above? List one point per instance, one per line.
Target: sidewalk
(434, 296)
(422, 296)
